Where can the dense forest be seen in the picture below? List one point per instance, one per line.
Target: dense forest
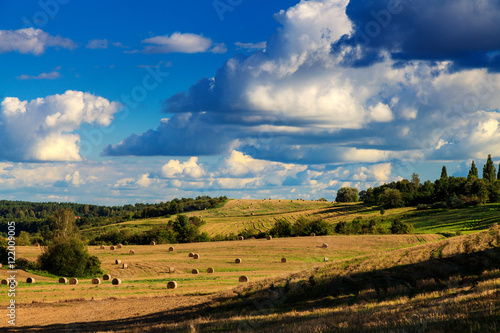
(32, 216)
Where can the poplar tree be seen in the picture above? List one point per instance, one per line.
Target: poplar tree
(473, 173)
(489, 171)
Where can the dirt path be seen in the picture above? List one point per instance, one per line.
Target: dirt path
(99, 315)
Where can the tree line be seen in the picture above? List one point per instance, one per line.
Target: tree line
(33, 216)
(447, 191)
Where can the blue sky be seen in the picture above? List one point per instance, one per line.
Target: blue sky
(120, 102)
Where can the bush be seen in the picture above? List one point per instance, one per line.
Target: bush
(399, 227)
(343, 228)
(67, 256)
(320, 227)
(454, 201)
(282, 228)
(302, 227)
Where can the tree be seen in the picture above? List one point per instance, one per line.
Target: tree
(498, 176)
(62, 224)
(415, 180)
(480, 189)
(68, 256)
(347, 194)
(444, 173)
(489, 170)
(473, 173)
(391, 198)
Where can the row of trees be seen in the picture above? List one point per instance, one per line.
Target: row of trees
(32, 216)
(304, 227)
(446, 191)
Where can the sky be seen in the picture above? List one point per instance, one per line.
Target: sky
(118, 102)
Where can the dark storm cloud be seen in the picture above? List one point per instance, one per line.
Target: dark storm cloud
(465, 31)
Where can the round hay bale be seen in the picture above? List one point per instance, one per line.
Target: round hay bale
(171, 269)
(119, 246)
(210, 270)
(152, 243)
(269, 237)
(10, 282)
(96, 281)
(251, 214)
(37, 244)
(171, 249)
(241, 238)
(171, 285)
(283, 260)
(325, 259)
(103, 247)
(125, 266)
(30, 280)
(73, 281)
(191, 254)
(118, 261)
(237, 260)
(196, 256)
(106, 277)
(112, 248)
(4, 281)
(324, 245)
(116, 281)
(195, 271)
(243, 278)
(313, 234)
(63, 280)
(131, 252)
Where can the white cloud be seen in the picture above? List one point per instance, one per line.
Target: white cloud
(381, 112)
(144, 180)
(34, 41)
(177, 169)
(41, 129)
(182, 43)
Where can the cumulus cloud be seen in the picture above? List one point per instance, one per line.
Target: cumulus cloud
(317, 94)
(34, 41)
(43, 129)
(182, 43)
(177, 169)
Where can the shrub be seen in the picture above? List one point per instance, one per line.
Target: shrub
(399, 227)
(282, 228)
(320, 227)
(67, 256)
(454, 201)
(342, 228)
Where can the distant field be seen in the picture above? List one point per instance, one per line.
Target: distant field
(260, 215)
